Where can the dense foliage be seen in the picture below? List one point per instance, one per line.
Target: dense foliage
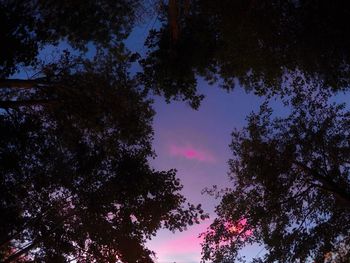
(27, 26)
(260, 45)
(291, 186)
(75, 181)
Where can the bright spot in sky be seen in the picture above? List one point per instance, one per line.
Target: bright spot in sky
(191, 153)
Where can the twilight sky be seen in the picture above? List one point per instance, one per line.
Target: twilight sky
(196, 143)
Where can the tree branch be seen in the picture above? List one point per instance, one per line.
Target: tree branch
(13, 104)
(327, 184)
(22, 83)
(25, 250)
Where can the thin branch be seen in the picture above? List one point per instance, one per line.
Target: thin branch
(35, 242)
(327, 184)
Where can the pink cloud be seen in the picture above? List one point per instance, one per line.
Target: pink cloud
(189, 242)
(181, 244)
(191, 153)
(186, 244)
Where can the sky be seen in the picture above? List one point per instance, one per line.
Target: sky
(196, 143)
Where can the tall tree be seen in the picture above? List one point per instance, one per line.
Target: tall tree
(75, 182)
(262, 45)
(291, 186)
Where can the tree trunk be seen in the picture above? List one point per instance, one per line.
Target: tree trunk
(173, 14)
(21, 83)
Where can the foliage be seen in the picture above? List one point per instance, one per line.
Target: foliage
(291, 186)
(75, 180)
(261, 45)
(27, 26)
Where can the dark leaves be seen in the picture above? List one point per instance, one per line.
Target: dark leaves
(291, 185)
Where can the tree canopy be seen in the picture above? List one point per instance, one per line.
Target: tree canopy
(291, 186)
(260, 45)
(27, 26)
(75, 179)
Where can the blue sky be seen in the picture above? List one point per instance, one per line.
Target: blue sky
(206, 133)
(206, 130)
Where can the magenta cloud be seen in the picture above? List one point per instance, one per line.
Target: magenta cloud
(185, 243)
(191, 153)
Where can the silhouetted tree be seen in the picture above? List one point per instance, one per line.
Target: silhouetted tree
(75, 183)
(262, 45)
(75, 180)
(291, 186)
(27, 26)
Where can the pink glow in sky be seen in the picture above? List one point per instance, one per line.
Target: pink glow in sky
(183, 245)
(191, 153)
(196, 144)
(187, 245)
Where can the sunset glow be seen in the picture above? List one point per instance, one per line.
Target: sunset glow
(191, 153)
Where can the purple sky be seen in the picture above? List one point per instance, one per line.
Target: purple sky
(196, 143)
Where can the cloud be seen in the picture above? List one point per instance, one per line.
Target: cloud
(191, 153)
(186, 245)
